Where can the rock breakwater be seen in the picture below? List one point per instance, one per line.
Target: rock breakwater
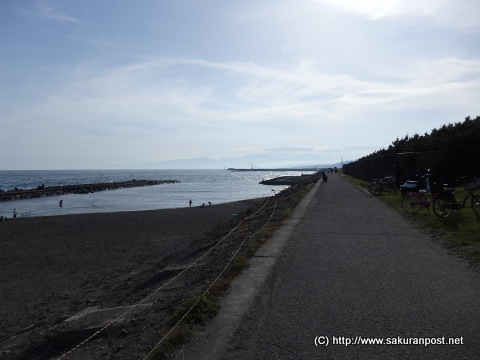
(42, 190)
(293, 180)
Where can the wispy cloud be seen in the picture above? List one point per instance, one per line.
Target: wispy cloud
(156, 96)
(52, 10)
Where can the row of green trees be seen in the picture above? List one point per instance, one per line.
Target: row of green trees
(460, 141)
(450, 151)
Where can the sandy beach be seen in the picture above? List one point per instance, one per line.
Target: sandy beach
(54, 267)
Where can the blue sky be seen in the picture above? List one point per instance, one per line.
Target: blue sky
(134, 84)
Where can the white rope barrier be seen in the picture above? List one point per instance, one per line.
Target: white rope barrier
(158, 289)
(135, 306)
(211, 285)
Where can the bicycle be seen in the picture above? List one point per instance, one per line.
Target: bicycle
(446, 203)
(377, 186)
(414, 201)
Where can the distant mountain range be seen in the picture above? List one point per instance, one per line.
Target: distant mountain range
(246, 162)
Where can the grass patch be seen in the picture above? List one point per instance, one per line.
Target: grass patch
(238, 264)
(181, 335)
(204, 308)
(460, 231)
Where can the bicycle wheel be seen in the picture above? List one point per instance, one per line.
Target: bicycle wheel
(393, 187)
(375, 189)
(476, 204)
(444, 205)
(412, 203)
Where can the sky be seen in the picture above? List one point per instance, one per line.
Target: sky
(121, 84)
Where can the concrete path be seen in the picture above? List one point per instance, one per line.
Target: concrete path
(352, 271)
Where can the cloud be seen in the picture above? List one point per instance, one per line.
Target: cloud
(149, 106)
(379, 9)
(52, 10)
(451, 13)
(166, 94)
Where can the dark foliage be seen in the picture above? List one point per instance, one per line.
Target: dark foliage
(450, 151)
(461, 141)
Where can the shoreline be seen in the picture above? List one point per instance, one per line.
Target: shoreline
(22, 215)
(34, 203)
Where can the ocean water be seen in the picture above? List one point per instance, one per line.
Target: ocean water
(201, 186)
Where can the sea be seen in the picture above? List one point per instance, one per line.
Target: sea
(201, 186)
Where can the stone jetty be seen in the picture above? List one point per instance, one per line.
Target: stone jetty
(42, 190)
(293, 180)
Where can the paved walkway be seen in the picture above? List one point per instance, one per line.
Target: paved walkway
(352, 270)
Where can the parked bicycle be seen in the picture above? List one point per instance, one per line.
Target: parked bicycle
(413, 202)
(377, 186)
(445, 204)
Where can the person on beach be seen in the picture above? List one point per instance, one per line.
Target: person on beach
(190, 202)
(14, 213)
(60, 203)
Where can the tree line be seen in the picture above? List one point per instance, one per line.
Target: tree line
(450, 151)
(458, 141)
